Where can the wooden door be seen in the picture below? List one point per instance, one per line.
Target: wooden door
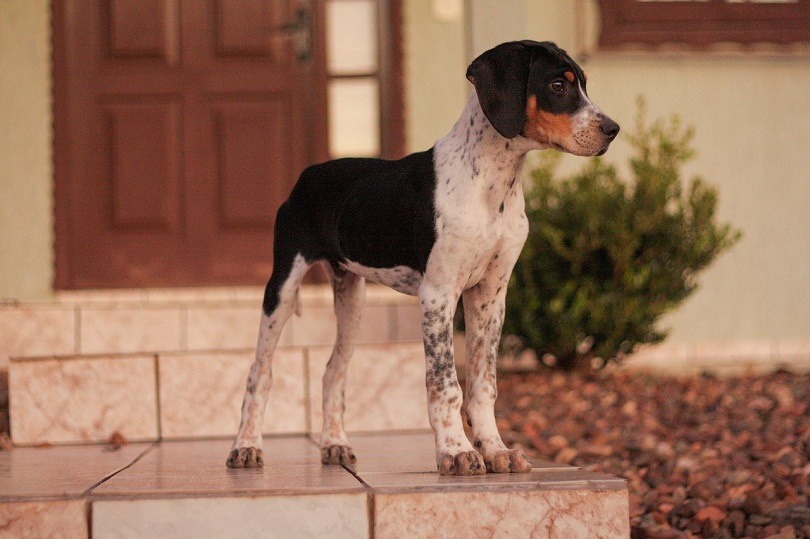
(180, 127)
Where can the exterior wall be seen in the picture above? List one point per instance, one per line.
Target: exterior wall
(752, 141)
(26, 215)
(754, 147)
(433, 50)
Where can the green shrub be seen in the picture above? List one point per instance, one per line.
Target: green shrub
(606, 258)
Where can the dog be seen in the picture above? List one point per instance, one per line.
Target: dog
(445, 223)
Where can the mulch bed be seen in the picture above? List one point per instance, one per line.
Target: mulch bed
(703, 456)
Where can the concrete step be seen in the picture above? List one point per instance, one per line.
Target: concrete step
(183, 489)
(171, 395)
(148, 320)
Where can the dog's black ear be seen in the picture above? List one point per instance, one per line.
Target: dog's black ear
(500, 76)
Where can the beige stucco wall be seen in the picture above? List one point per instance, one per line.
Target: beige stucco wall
(433, 49)
(26, 230)
(753, 143)
(752, 139)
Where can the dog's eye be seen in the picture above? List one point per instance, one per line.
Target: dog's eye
(558, 86)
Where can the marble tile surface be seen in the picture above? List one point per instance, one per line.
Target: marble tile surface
(123, 329)
(162, 489)
(408, 324)
(60, 471)
(36, 331)
(217, 327)
(552, 477)
(315, 326)
(793, 349)
(191, 294)
(402, 462)
(537, 514)
(83, 400)
(735, 352)
(107, 296)
(673, 356)
(405, 452)
(324, 515)
(201, 393)
(197, 468)
(385, 388)
(413, 454)
(377, 324)
(61, 518)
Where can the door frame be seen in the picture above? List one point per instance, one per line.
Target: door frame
(392, 124)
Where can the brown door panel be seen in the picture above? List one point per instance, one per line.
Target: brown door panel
(180, 128)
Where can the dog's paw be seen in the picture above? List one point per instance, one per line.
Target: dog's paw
(508, 460)
(464, 463)
(338, 454)
(245, 457)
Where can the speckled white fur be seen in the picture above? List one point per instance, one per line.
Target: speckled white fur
(260, 378)
(481, 227)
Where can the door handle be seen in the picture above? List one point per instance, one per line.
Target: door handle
(300, 30)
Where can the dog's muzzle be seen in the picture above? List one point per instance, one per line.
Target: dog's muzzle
(609, 129)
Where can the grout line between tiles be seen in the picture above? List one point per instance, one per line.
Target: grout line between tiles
(90, 490)
(371, 514)
(369, 498)
(366, 487)
(352, 472)
(158, 410)
(88, 508)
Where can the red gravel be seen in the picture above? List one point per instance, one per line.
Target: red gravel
(703, 456)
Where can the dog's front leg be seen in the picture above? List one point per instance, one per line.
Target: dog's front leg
(484, 307)
(454, 453)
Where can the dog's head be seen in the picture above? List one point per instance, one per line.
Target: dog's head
(536, 90)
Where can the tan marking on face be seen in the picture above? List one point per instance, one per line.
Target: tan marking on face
(569, 75)
(545, 127)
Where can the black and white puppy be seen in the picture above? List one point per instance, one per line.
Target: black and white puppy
(439, 224)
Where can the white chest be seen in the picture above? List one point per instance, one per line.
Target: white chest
(480, 213)
(471, 239)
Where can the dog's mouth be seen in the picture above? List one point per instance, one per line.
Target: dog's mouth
(579, 150)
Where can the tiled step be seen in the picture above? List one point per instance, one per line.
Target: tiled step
(169, 395)
(136, 321)
(183, 489)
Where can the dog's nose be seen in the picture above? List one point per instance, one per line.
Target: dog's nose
(609, 128)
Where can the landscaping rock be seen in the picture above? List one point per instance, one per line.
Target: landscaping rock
(703, 456)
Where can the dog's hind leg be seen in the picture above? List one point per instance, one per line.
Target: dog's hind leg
(350, 294)
(280, 300)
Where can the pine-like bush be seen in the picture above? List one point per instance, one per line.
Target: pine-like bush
(607, 257)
